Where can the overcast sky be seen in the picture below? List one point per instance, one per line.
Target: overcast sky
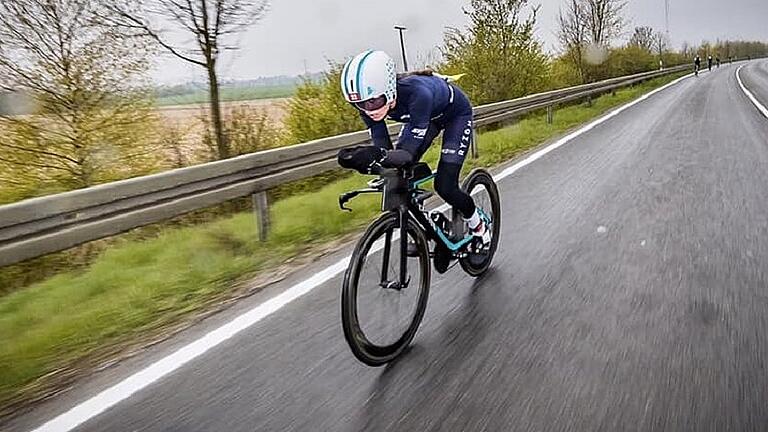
(295, 33)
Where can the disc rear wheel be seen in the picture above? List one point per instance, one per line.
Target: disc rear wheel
(480, 185)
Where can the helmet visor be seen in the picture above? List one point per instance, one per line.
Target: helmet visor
(372, 104)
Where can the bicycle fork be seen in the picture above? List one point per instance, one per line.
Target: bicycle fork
(403, 278)
(404, 246)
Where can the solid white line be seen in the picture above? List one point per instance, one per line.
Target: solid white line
(749, 94)
(124, 389)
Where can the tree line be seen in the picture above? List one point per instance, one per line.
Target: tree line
(81, 68)
(503, 58)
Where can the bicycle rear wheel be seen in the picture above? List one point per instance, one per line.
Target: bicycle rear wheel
(480, 185)
(379, 318)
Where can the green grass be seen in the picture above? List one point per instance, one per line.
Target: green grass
(229, 95)
(136, 288)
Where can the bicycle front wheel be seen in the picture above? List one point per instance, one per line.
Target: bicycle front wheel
(380, 317)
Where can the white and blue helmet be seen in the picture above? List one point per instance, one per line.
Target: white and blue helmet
(369, 75)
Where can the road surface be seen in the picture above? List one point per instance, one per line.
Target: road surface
(630, 292)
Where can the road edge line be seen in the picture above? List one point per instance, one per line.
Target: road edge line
(763, 110)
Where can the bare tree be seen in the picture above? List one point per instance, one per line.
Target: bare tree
(604, 20)
(573, 35)
(85, 90)
(587, 28)
(686, 50)
(210, 23)
(643, 37)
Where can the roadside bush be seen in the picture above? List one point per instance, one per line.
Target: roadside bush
(498, 51)
(318, 110)
(247, 129)
(629, 60)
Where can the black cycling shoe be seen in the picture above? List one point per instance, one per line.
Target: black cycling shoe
(442, 258)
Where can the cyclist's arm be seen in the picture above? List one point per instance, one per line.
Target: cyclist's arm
(378, 131)
(415, 131)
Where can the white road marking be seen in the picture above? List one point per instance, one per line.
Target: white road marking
(749, 94)
(124, 389)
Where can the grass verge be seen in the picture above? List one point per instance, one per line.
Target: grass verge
(135, 289)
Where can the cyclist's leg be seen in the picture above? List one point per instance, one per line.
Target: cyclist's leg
(447, 186)
(457, 139)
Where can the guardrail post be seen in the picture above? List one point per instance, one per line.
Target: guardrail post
(261, 210)
(550, 114)
(473, 145)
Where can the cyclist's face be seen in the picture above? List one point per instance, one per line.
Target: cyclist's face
(379, 114)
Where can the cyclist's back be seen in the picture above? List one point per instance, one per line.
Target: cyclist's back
(410, 85)
(426, 104)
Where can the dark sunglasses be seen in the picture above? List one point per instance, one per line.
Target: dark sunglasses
(372, 104)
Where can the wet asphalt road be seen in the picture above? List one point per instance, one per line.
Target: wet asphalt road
(630, 292)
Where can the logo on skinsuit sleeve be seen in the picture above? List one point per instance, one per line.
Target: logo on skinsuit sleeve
(466, 138)
(419, 133)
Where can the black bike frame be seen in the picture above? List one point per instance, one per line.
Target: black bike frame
(397, 196)
(404, 213)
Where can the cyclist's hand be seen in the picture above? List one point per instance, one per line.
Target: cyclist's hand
(397, 159)
(363, 159)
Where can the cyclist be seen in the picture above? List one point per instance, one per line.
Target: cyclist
(709, 63)
(426, 103)
(697, 64)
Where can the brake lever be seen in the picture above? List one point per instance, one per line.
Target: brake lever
(345, 197)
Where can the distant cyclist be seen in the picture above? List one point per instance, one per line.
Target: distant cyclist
(709, 63)
(427, 103)
(697, 64)
(717, 61)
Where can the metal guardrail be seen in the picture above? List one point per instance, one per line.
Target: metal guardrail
(40, 226)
